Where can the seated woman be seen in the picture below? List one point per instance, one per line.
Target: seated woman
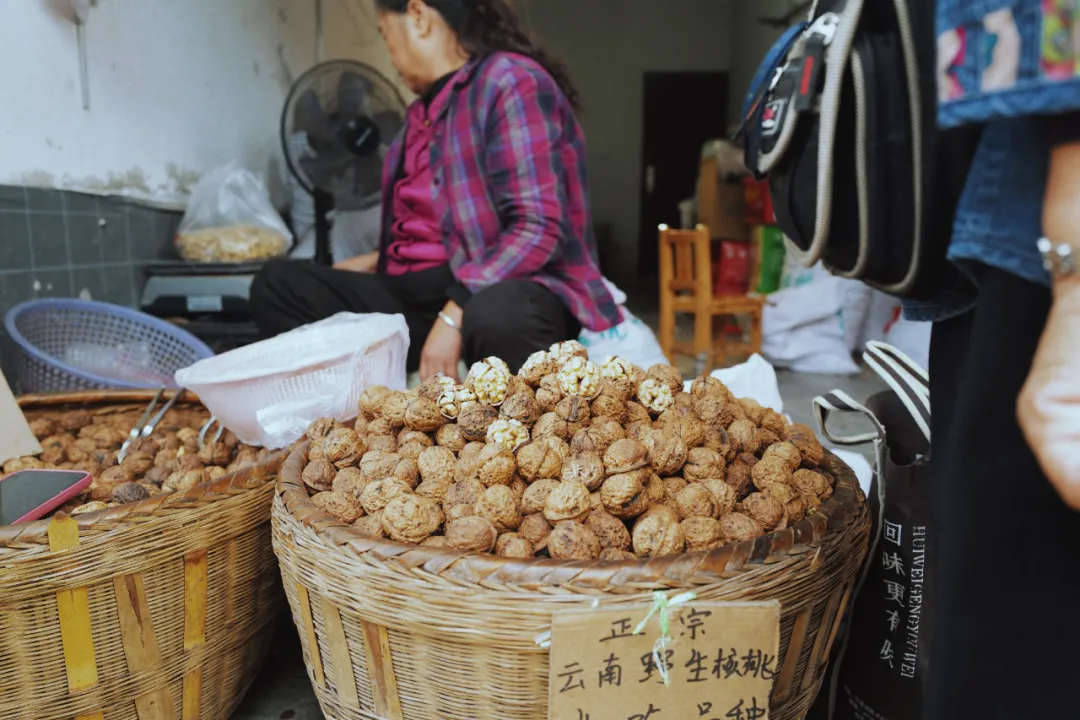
(487, 245)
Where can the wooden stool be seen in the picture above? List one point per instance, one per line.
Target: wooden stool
(686, 287)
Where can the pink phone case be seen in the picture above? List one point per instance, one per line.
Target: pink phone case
(55, 501)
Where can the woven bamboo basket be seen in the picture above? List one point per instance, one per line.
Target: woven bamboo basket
(400, 632)
(160, 609)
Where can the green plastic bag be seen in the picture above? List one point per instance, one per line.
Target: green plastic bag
(769, 254)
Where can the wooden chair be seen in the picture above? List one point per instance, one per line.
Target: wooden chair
(686, 287)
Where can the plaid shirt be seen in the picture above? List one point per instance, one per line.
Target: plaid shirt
(508, 168)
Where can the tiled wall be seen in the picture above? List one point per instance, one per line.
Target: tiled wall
(56, 243)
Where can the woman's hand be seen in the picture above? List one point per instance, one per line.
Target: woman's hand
(442, 349)
(360, 264)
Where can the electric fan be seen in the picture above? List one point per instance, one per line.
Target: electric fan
(339, 119)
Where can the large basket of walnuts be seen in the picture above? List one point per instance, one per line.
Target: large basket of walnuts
(156, 594)
(424, 550)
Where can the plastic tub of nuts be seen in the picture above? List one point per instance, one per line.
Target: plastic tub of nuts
(426, 548)
(164, 606)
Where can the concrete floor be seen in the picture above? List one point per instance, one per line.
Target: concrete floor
(283, 690)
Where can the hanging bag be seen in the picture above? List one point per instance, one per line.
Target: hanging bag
(879, 667)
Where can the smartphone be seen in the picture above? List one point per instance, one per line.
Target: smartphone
(30, 494)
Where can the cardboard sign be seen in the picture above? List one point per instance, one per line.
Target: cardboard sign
(721, 659)
(16, 440)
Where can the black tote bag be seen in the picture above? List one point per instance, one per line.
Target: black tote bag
(879, 667)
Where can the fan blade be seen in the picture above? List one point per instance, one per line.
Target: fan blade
(389, 123)
(352, 89)
(324, 170)
(310, 117)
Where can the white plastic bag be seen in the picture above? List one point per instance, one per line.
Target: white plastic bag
(230, 219)
(803, 328)
(631, 340)
(754, 379)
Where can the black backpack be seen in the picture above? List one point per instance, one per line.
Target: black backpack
(842, 124)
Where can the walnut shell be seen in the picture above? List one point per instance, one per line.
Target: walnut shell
(392, 409)
(139, 463)
(567, 501)
(782, 492)
(540, 459)
(804, 439)
(754, 411)
(673, 486)
(350, 482)
(411, 450)
(42, 428)
(770, 471)
(377, 465)
(703, 464)
(371, 399)
(610, 430)
(184, 481)
(415, 436)
(371, 525)
(436, 541)
(156, 475)
(337, 505)
(381, 427)
(808, 482)
(76, 420)
(658, 534)
(494, 466)
(585, 468)
(624, 495)
(667, 452)
(129, 492)
(726, 497)
(690, 429)
(637, 413)
(521, 407)
(767, 510)
(378, 494)
(433, 388)
(609, 530)
(475, 420)
(436, 464)
(471, 534)
(739, 477)
(738, 527)
(613, 555)
(536, 529)
(319, 429)
(551, 425)
(667, 375)
(537, 366)
(451, 437)
(343, 447)
(573, 541)
(463, 494)
(499, 506)
(588, 440)
(490, 380)
(410, 519)
(609, 406)
(574, 410)
(535, 497)
(455, 399)
(512, 545)
(743, 435)
(702, 533)
(716, 438)
(319, 475)
(654, 396)
(713, 410)
(423, 414)
(696, 500)
(507, 434)
(549, 393)
(624, 456)
(773, 421)
(796, 509)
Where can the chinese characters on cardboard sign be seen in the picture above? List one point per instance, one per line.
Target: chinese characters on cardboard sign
(722, 661)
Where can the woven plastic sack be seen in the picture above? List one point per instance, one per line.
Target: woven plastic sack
(230, 219)
(269, 392)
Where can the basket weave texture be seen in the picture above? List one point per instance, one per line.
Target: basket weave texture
(159, 609)
(393, 631)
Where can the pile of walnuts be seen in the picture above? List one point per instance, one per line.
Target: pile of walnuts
(168, 461)
(568, 459)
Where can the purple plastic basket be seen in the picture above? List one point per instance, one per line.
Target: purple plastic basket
(67, 345)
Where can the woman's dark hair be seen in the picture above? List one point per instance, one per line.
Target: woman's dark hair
(487, 26)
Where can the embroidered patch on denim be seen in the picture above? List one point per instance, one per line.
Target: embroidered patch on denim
(1061, 39)
(999, 51)
(951, 51)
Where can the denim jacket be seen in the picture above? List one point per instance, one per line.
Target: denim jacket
(1004, 64)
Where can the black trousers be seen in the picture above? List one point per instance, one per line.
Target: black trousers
(510, 320)
(1007, 638)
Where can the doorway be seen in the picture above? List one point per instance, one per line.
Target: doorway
(682, 111)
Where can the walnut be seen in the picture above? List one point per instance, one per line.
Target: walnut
(667, 452)
(766, 438)
(521, 407)
(774, 421)
(752, 408)
(451, 437)
(613, 555)
(471, 534)
(436, 541)
(319, 475)
(690, 429)
(319, 429)
(518, 486)
(490, 380)
(540, 459)
(371, 525)
(804, 439)
(567, 501)
(610, 430)
(658, 534)
(415, 436)
(498, 505)
(767, 510)
(702, 464)
(495, 466)
(475, 421)
(108, 437)
(184, 481)
(713, 410)
(726, 497)
(129, 492)
(507, 434)
(372, 398)
(54, 453)
(579, 378)
(377, 465)
(568, 349)
(782, 492)
(76, 420)
(537, 366)
(384, 443)
(743, 435)
(156, 475)
(342, 507)
(535, 528)
(454, 399)
(549, 393)
(701, 533)
(573, 410)
(90, 507)
(349, 482)
(637, 413)
(468, 458)
(624, 456)
(624, 495)
(738, 527)
(716, 438)
(512, 545)
(423, 414)
(621, 389)
(343, 447)
(617, 368)
(392, 409)
(654, 396)
(405, 470)
(381, 427)
(696, 500)
(808, 482)
(588, 440)
(434, 489)
(673, 486)
(585, 468)
(796, 509)
(433, 388)
(410, 519)
(436, 464)
(609, 406)
(42, 428)
(573, 541)
(739, 477)
(770, 471)
(139, 463)
(667, 375)
(639, 431)
(608, 529)
(463, 494)
(411, 450)
(379, 493)
(551, 425)
(706, 385)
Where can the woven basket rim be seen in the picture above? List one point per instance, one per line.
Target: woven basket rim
(845, 506)
(27, 535)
